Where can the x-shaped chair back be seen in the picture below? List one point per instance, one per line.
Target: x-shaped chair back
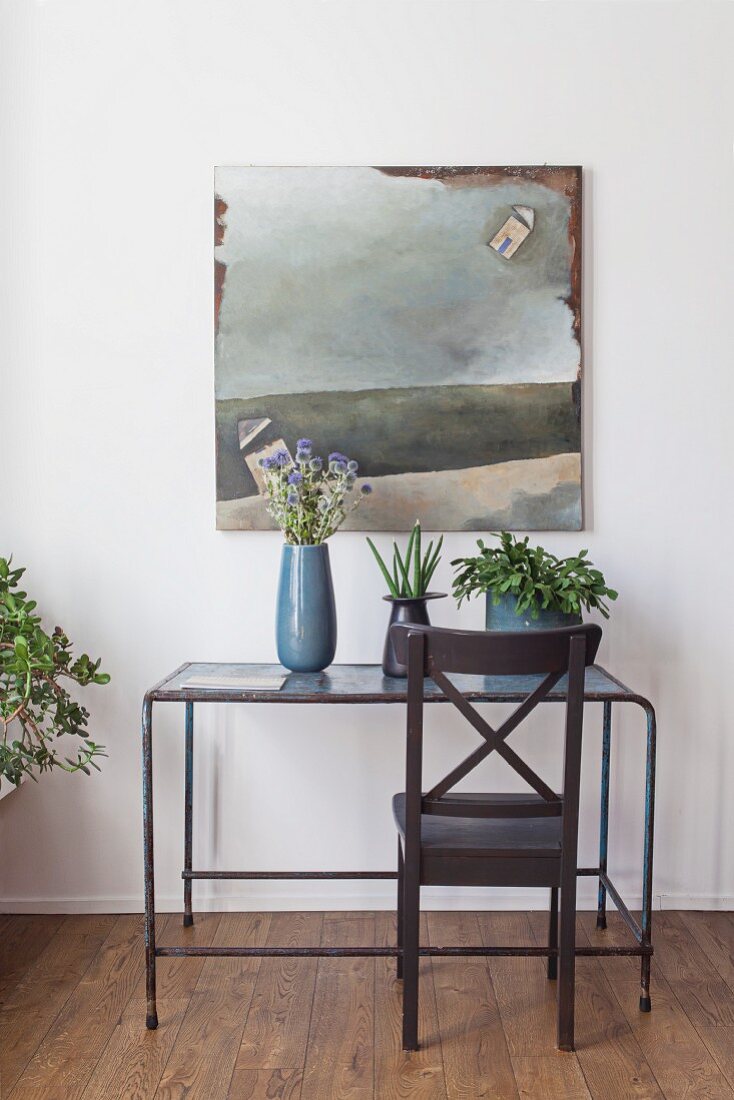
(436, 652)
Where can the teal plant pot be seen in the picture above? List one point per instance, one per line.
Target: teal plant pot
(502, 616)
(305, 622)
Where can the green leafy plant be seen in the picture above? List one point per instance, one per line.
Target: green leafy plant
(535, 577)
(412, 574)
(35, 707)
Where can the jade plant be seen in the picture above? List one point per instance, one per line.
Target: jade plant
(535, 577)
(36, 710)
(411, 574)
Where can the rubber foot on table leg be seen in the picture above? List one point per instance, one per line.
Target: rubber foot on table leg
(645, 1003)
(151, 1021)
(188, 920)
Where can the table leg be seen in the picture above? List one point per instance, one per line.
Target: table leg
(601, 909)
(188, 918)
(645, 1003)
(151, 1018)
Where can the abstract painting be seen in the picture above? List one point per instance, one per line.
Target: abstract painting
(424, 321)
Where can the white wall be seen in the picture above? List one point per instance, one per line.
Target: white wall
(113, 117)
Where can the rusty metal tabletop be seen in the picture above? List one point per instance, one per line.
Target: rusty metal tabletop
(366, 683)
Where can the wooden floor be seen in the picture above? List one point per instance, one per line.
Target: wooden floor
(73, 1009)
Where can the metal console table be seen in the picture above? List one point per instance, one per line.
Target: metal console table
(349, 684)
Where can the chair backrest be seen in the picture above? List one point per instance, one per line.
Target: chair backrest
(434, 652)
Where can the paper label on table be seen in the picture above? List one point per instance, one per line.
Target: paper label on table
(240, 683)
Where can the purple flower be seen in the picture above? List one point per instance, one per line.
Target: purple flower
(269, 463)
(366, 489)
(295, 478)
(315, 464)
(338, 466)
(337, 456)
(292, 498)
(281, 457)
(304, 444)
(352, 466)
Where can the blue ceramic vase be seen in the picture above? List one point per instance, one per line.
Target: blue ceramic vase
(305, 626)
(502, 616)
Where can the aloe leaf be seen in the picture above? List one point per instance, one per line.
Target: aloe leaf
(383, 568)
(427, 579)
(434, 560)
(409, 549)
(403, 571)
(424, 568)
(417, 562)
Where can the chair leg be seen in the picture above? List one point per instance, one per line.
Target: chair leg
(411, 918)
(552, 969)
(567, 969)
(399, 961)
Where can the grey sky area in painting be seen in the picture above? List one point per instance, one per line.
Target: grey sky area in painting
(348, 279)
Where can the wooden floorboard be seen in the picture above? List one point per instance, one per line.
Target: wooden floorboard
(475, 1055)
(340, 1051)
(527, 1004)
(66, 1058)
(673, 1048)
(693, 977)
(32, 1007)
(610, 1057)
(204, 1053)
(714, 933)
(276, 1030)
(72, 1017)
(23, 940)
(418, 1074)
(134, 1059)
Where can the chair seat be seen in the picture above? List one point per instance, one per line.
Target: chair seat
(499, 837)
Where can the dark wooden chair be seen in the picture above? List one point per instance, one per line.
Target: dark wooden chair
(462, 839)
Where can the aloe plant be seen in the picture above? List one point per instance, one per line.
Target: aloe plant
(411, 573)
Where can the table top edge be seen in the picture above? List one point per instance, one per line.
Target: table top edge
(160, 692)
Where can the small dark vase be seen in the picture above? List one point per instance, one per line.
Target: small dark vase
(404, 610)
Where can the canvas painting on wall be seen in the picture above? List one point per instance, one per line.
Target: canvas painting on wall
(424, 321)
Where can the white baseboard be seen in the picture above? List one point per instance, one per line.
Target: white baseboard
(432, 898)
(708, 902)
(256, 901)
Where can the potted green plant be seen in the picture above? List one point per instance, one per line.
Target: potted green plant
(36, 709)
(528, 588)
(407, 583)
(309, 499)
